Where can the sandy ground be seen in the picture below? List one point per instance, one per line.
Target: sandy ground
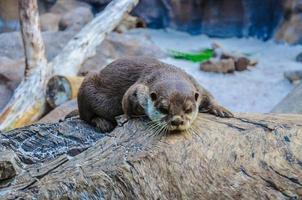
(258, 89)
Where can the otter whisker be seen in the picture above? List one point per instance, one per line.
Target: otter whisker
(155, 127)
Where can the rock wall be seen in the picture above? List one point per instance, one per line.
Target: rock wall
(265, 19)
(219, 18)
(290, 30)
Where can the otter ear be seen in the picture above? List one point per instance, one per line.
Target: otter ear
(196, 96)
(153, 96)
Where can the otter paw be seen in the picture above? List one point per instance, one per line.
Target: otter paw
(103, 125)
(220, 111)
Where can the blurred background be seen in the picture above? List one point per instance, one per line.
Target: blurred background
(246, 52)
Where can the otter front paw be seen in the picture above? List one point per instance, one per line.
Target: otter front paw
(220, 111)
(103, 125)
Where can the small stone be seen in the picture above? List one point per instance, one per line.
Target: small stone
(241, 63)
(299, 57)
(293, 76)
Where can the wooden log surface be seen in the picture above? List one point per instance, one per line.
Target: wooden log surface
(61, 89)
(251, 156)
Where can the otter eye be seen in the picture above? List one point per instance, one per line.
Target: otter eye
(153, 96)
(163, 110)
(196, 96)
(188, 110)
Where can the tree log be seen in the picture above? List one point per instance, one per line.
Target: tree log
(247, 157)
(28, 103)
(61, 89)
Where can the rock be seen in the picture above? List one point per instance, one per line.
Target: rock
(118, 45)
(129, 22)
(63, 6)
(291, 103)
(9, 15)
(293, 76)
(218, 66)
(99, 2)
(76, 18)
(292, 6)
(12, 46)
(241, 63)
(11, 74)
(59, 113)
(290, 30)
(49, 22)
(7, 170)
(114, 46)
(222, 18)
(299, 57)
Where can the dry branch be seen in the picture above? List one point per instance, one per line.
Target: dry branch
(28, 103)
(247, 157)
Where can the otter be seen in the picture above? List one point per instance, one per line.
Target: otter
(143, 86)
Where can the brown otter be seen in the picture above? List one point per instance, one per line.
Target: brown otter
(139, 86)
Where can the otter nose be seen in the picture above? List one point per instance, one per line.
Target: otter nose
(177, 121)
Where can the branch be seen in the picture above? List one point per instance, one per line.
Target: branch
(33, 43)
(247, 157)
(28, 101)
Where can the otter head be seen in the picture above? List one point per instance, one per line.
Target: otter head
(173, 105)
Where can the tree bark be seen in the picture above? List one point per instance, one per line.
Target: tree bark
(247, 157)
(28, 103)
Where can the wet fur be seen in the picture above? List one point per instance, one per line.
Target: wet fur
(124, 86)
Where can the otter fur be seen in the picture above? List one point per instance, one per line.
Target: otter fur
(143, 86)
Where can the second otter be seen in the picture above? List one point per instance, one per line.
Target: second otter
(139, 86)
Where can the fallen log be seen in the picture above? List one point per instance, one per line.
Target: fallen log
(28, 103)
(248, 157)
(60, 89)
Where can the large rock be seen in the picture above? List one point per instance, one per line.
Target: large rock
(292, 103)
(8, 15)
(12, 46)
(290, 30)
(99, 2)
(116, 45)
(11, 74)
(76, 18)
(49, 22)
(119, 45)
(222, 18)
(63, 6)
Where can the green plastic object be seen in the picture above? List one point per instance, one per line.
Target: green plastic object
(201, 56)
